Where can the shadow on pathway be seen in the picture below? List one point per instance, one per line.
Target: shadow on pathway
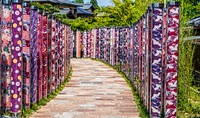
(95, 91)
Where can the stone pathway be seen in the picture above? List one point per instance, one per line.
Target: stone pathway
(95, 91)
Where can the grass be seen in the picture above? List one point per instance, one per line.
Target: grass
(138, 100)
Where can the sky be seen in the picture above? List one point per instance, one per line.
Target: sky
(101, 2)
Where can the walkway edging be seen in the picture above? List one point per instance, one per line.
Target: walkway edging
(138, 100)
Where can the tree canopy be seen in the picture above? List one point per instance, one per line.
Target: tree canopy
(95, 4)
(79, 1)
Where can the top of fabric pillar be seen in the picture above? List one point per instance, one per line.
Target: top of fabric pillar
(6, 2)
(39, 11)
(44, 13)
(33, 8)
(173, 3)
(17, 1)
(26, 4)
(149, 8)
(158, 5)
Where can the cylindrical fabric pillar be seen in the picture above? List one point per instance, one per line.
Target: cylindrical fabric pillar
(116, 46)
(44, 55)
(131, 53)
(16, 67)
(111, 45)
(124, 50)
(94, 43)
(65, 51)
(120, 48)
(78, 50)
(107, 45)
(90, 44)
(39, 56)
(127, 50)
(143, 56)
(57, 32)
(33, 51)
(156, 75)
(0, 51)
(136, 55)
(59, 53)
(149, 36)
(87, 44)
(49, 69)
(6, 54)
(53, 48)
(173, 18)
(97, 43)
(139, 55)
(62, 53)
(26, 55)
(102, 44)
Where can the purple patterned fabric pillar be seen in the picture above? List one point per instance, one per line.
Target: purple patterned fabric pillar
(156, 75)
(49, 54)
(0, 51)
(16, 66)
(33, 52)
(26, 55)
(39, 56)
(62, 52)
(57, 32)
(53, 51)
(116, 47)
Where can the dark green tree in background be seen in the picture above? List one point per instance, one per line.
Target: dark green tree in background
(79, 1)
(95, 4)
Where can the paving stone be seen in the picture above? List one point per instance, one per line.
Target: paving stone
(95, 91)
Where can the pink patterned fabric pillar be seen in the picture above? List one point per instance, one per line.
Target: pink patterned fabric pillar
(44, 55)
(39, 56)
(6, 54)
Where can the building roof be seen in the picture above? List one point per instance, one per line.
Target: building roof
(81, 11)
(61, 2)
(70, 3)
(64, 11)
(87, 6)
(195, 21)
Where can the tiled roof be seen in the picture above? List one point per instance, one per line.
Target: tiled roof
(83, 11)
(87, 6)
(64, 11)
(62, 2)
(195, 21)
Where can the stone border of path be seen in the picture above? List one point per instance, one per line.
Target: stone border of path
(137, 99)
(28, 112)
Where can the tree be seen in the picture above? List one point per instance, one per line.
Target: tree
(95, 4)
(79, 1)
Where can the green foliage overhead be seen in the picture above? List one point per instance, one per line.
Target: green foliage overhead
(95, 4)
(79, 1)
(46, 7)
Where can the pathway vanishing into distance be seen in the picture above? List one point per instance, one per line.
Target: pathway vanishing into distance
(95, 91)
